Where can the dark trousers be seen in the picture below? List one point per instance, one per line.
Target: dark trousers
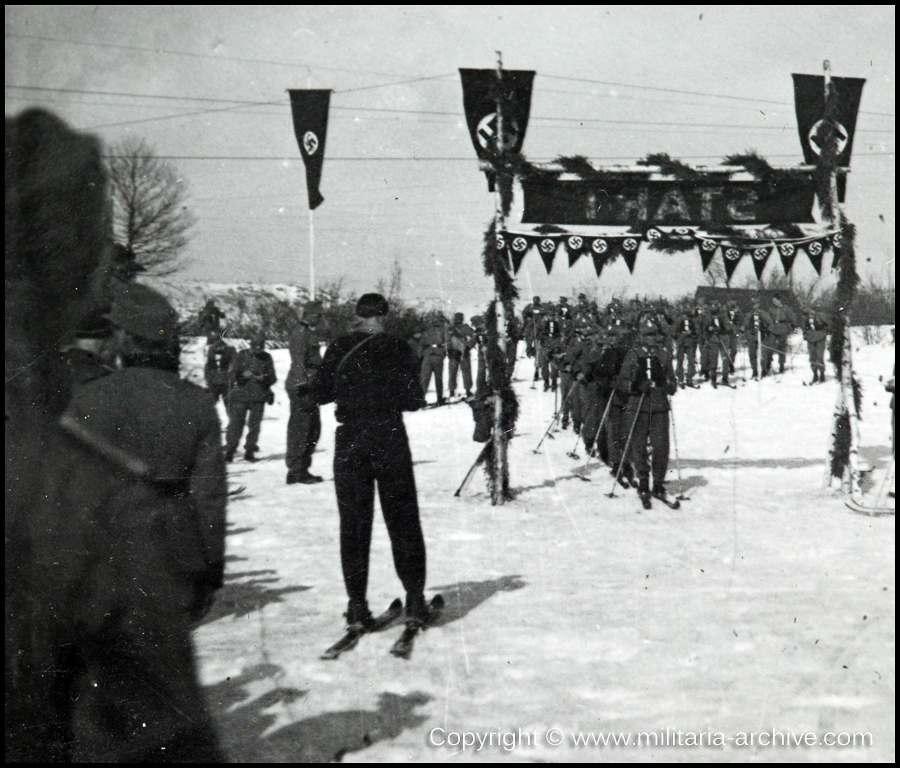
(709, 356)
(217, 391)
(753, 354)
(729, 354)
(685, 348)
(460, 361)
(651, 435)
(817, 357)
(303, 432)
(238, 413)
(774, 345)
(433, 364)
(373, 450)
(618, 424)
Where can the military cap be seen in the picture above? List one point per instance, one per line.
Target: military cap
(371, 305)
(144, 313)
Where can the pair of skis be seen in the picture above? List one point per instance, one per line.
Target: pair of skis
(404, 645)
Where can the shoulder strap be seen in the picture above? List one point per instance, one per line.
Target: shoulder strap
(353, 349)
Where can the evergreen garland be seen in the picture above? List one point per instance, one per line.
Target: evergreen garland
(840, 450)
(758, 167)
(670, 166)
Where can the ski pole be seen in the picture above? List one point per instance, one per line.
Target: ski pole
(681, 495)
(552, 422)
(612, 493)
(602, 422)
(478, 461)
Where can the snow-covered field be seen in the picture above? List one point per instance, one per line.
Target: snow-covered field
(764, 606)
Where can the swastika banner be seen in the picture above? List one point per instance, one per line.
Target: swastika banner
(309, 109)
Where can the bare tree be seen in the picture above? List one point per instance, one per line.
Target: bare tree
(150, 218)
(715, 274)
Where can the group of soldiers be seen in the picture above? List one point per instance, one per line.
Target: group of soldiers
(715, 333)
(616, 369)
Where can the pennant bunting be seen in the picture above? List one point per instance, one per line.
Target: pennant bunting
(309, 109)
(731, 256)
(814, 251)
(518, 247)
(760, 257)
(547, 248)
(629, 252)
(599, 260)
(707, 252)
(574, 247)
(787, 252)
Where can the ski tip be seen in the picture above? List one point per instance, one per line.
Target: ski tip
(437, 602)
(397, 605)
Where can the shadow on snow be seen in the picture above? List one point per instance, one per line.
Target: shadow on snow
(243, 720)
(465, 596)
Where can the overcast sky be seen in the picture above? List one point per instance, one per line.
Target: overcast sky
(208, 85)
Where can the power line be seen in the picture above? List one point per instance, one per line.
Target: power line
(237, 104)
(687, 93)
(214, 57)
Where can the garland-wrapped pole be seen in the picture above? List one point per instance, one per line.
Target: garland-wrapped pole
(843, 461)
(500, 465)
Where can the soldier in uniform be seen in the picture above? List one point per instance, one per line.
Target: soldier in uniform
(783, 323)
(250, 381)
(687, 336)
(219, 356)
(716, 330)
(757, 326)
(648, 378)
(154, 573)
(815, 332)
(372, 378)
(532, 319)
(462, 339)
(210, 318)
(304, 424)
(733, 317)
(550, 347)
(433, 346)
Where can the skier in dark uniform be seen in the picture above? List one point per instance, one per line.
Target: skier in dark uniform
(648, 377)
(372, 378)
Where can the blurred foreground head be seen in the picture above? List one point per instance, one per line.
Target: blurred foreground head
(58, 239)
(57, 216)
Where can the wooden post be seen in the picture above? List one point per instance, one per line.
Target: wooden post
(846, 401)
(499, 483)
(312, 235)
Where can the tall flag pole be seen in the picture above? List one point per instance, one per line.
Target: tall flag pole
(309, 109)
(836, 141)
(498, 491)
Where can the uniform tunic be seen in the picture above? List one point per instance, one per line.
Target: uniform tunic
(304, 423)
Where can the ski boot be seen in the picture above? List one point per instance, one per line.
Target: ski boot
(644, 492)
(250, 456)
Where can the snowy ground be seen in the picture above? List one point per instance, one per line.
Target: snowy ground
(762, 605)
